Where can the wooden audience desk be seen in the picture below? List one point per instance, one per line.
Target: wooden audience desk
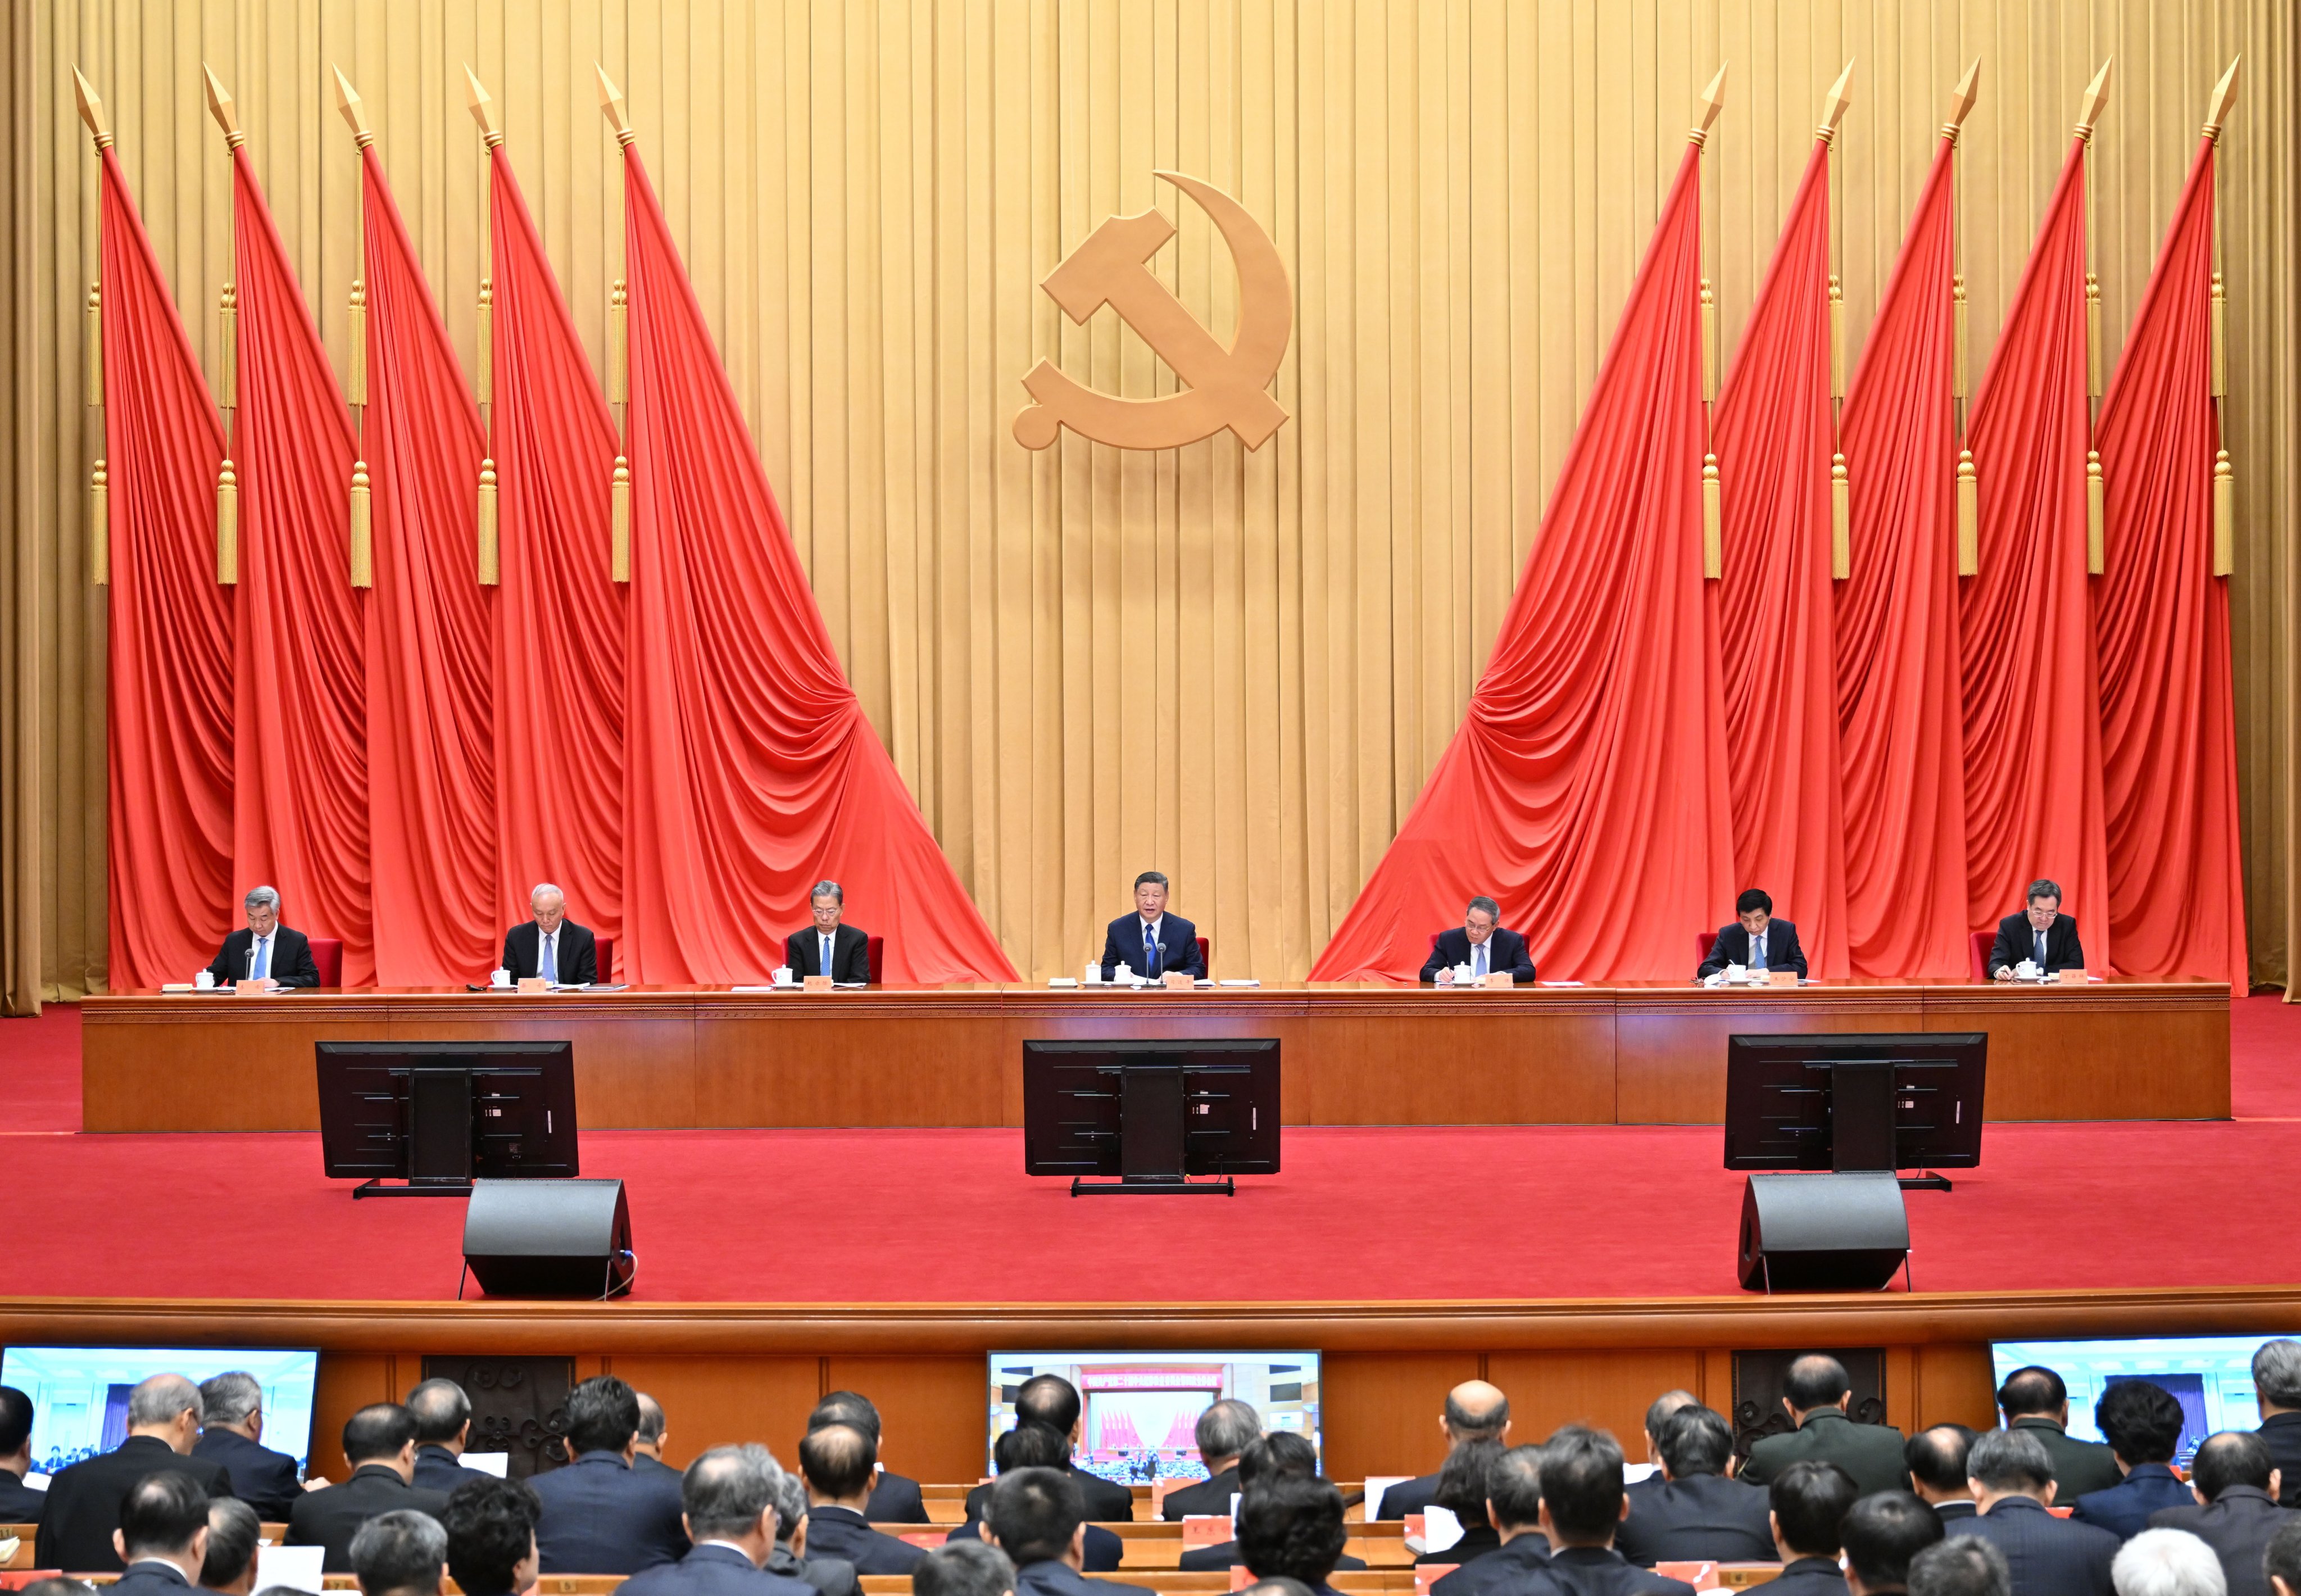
(1354, 1055)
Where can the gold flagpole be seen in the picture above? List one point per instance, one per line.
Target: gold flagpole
(2096, 97)
(226, 363)
(99, 489)
(490, 556)
(619, 490)
(1969, 478)
(363, 542)
(1713, 516)
(1841, 484)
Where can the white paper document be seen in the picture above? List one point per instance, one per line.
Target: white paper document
(498, 1463)
(296, 1567)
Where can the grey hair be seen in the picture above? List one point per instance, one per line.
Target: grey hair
(2277, 1371)
(1666, 1404)
(401, 1550)
(157, 1398)
(1961, 1566)
(726, 1489)
(2042, 887)
(2009, 1460)
(1486, 906)
(540, 889)
(261, 897)
(1227, 1428)
(229, 1398)
(964, 1568)
(652, 1423)
(2168, 1563)
(790, 1504)
(831, 890)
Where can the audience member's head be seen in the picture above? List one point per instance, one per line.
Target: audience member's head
(1936, 1459)
(1277, 1587)
(232, 1401)
(381, 1433)
(490, 1528)
(443, 1414)
(1659, 1410)
(2277, 1376)
(648, 1437)
(164, 1515)
(1694, 1441)
(1225, 1430)
(399, 1553)
(234, 1532)
(15, 1430)
(1514, 1490)
(2034, 1391)
(1809, 1499)
(1036, 1514)
(1292, 1528)
(2167, 1563)
(1475, 1411)
(964, 1568)
(1879, 1535)
(2232, 1457)
(729, 1494)
(1815, 1381)
(1582, 1498)
(167, 1405)
(1282, 1451)
(848, 1408)
(2141, 1421)
(790, 1509)
(2282, 1561)
(1461, 1488)
(1048, 1400)
(837, 1462)
(56, 1585)
(603, 1416)
(1030, 1446)
(1961, 1566)
(2002, 1463)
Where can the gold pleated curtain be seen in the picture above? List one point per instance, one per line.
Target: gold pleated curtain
(1236, 668)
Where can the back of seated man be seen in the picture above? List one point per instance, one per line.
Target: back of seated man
(1290, 1527)
(162, 1538)
(1462, 1491)
(2277, 1387)
(2034, 1401)
(2167, 1563)
(1815, 1395)
(231, 1432)
(1936, 1459)
(1582, 1504)
(1658, 1411)
(647, 1441)
(443, 1432)
(379, 1444)
(1225, 1430)
(1280, 1453)
(895, 1499)
(1035, 1446)
(2144, 1424)
(83, 1509)
(1474, 1411)
(1514, 1509)
(1052, 1401)
(1036, 1517)
(2013, 1486)
(1690, 1510)
(836, 1463)
(598, 1515)
(400, 1553)
(2236, 1512)
(728, 1498)
(19, 1502)
(833, 1576)
(234, 1535)
(1961, 1566)
(964, 1568)
(1879, 1535)
(1809, 1500)
(490, 1529)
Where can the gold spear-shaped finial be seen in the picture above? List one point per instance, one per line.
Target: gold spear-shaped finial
(611, 107)
(1961, 101)
(91, 110)
(349, 102)
(2096, 95)
(220, 107)
(1713, 100)
(2225, 98)
(1833, 109)
(483, 110)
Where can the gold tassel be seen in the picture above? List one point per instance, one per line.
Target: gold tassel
(2220, 337)
(1714, 522)
(2224, 515)
(483, 375)
(362, 549)
(619, 360)
(358, 380)
(1968, 515)
(2093, 335)
(490, 567)
(227, 526)
(228, 354)
(1841, 520)
(619, 521)
(2093, 513)
(1957, 336)
(1709, 343)
(1836, 338)
(95, 343)
(99, 524)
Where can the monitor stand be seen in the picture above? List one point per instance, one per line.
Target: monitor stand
(440, 1129)
(1152, 1133)
(1861, 1121)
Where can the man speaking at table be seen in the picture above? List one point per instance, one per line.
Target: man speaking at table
(551, 944)
(842, 952)
(2041, 934)
(1154, 942)
(267, 950)
(1481, 943)
(1757, 941)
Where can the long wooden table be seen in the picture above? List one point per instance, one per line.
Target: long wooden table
(1353, 1055)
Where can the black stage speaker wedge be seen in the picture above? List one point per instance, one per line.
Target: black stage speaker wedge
(549, 1238)
(1822, 1232)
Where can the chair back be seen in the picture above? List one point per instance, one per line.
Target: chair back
(1433, 939)
(328, 954)
(605, 947)
(1977, 945)
(876, 951)
(1703, 941)
(1207, 955)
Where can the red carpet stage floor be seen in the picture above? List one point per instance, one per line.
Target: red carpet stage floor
(839, 1216)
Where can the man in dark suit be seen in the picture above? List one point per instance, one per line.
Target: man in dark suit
(491, 1527)
(830, 1576)
(647, 1442)
(1690, 1511)
(965, 1568)
(1809, 1502)
(836, 1461)
(1880, 1534)
(1035, 1446)
(380, 1445)
(1580, 1474)
(2277, 1385)
(1961, 1566)
(265, 950)
(1513, 1512)
(842, 952)
(443, 1434)
(1814, 1393)
(2236, 1512)
(551, 944)
(1936, 1459)
(19, 1502)
(598, 1515)
(1481, 942)
(2041, 934)
(2144, 1424)
(1756, 940)
(1474, 1411)
(1035, 1517)
(2013, 1484)
(1225, 1430)
(400, 1553)
(1052, 1401)
(84, 1501)
(235, 1533)
(1291, 1527)
(895, 1499)
(163, 1536)
(1462, 1481)
(728, 1497)
(1150, 942)
(2035, 1402)
(231, 1432)
(1280, 1453)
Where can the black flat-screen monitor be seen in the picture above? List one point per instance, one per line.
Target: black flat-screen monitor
(438, 1114)
(1855, 1100)
(1151, 1110)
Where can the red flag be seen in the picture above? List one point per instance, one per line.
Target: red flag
(431, 739)
(1777, 648)
(169, 842)
(1897, 683)
(300, 792)
(753, 771)
(1585, 791)
(2168, 724)
(559, 615)
(2033, 804)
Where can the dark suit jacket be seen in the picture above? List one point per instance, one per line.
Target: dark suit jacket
(1733, 948)
(1210, 1559)
(844, 1534)
(2017, 941)
(2238, 1526)
(1107, 1500)
(19, 1502)
(578, 960)
(1052, 1579)
(1809, 1576)
(2049, 1556)
(1203, 1497)
(2281, 1432)
(601, 1518)
(263, 1479)
(1702, 1517)
(152, 1577)
(831, 1576)
(1945, 1511)
(1482, 1542)
(2124, 1508)
(438, 1469)
(2080, 1467)
(1179, 952)
(330, 1516)
(643, 1464)
(1505, 950)
(1103, 1550)
(291, 958)
(1600, 1571)
(1504, 1571)
(895, 1499)
(1870, 1453)
(851, 954)
(83, 1505)
(713, 1571)
(1408, 1496)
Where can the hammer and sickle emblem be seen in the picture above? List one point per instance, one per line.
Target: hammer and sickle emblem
(1226, 388)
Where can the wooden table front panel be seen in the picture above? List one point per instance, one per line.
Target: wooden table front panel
(1418, 1058)
(882, 1056)
(2105, 1050)
(1670, 1041)
(213, 1063)
(634, 1051)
